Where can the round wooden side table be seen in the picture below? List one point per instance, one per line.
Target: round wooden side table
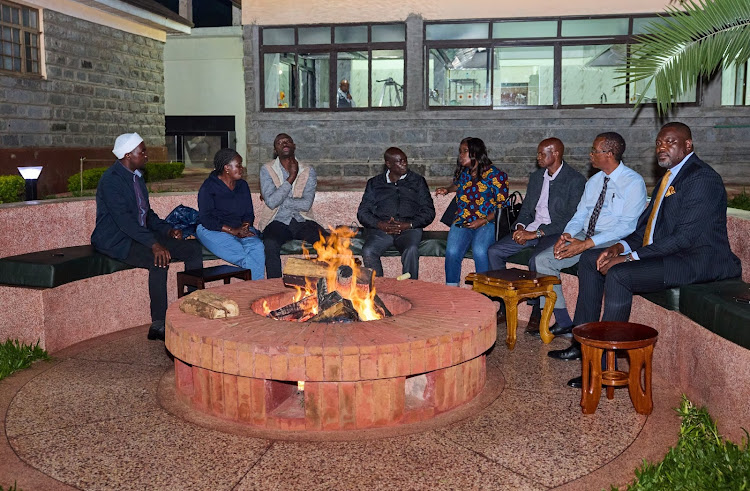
(637, 340)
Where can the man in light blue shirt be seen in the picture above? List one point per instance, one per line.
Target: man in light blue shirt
(612, 201)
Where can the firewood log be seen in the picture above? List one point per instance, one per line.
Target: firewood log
(289, 310)
(298, 270)
(209, 305)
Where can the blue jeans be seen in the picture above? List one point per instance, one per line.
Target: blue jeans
(246, 253)
(459, 241)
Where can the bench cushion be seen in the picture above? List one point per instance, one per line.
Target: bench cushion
(713, 306)
(48, 269)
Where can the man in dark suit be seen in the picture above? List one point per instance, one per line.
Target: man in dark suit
(128, 229)
(681, 237)
(552, 196)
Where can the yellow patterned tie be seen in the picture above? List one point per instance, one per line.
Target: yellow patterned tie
(655, 209)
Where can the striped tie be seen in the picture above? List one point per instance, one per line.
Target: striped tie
(657, 201)
(597, 209)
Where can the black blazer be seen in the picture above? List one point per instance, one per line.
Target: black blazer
(117, 215)
(691, 228)
(564, 194)
(406, 200)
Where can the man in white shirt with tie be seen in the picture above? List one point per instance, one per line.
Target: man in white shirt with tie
(608, 211)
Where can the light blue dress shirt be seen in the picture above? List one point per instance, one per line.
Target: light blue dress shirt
(624, 202)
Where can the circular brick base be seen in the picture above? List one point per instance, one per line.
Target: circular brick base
(426, 360)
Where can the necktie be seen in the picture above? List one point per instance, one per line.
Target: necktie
(657, 201)
(597, 209)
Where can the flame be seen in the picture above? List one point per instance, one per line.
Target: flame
(266, 309)
(335, 251)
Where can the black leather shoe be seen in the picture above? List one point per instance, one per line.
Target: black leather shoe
(533, 326)
(156, 331)
(576, 382)
(573, 352)
(563, 332)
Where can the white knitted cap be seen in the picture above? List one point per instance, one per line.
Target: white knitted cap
(126, 143)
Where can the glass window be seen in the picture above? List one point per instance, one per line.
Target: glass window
(277, 37)
(279, 78)
(458, 77)
(388, 33)
(19, 39)
(314, 72)
(640, 24)
(523, 76)
(476, 30)
(518, 30)
(589, 74)
(735, 89)
(388, 78)
(351, 76)
(350, 34)
(595, 27)
(314, 35)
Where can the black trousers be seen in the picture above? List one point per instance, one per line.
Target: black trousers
(276, 234)
(407, 243)
(140, 256)
(617, 287)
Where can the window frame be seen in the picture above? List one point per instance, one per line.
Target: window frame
(26, 30)
(333, 49)
(557, 43)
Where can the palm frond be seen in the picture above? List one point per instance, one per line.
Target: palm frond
(688, 44)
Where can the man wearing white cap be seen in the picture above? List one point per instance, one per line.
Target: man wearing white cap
(127, 229)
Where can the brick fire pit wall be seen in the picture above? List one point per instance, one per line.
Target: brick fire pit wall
(425, 360)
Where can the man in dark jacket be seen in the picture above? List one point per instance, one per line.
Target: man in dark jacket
(395, 208)
(128, 229)
(552, 196)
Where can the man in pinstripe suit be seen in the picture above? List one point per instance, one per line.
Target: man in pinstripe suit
(681, 237)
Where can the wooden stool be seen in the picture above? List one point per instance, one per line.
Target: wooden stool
(199, 277)
(514, 285)
(638, 342)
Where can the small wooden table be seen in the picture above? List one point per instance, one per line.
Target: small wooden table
(638, 342)
(199, 277)
(514, 285)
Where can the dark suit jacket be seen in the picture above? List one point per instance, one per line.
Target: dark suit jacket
(691, 229)
(564, 194)
(117, 215)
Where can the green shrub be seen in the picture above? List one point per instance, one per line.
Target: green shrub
(161, 171)
(741, 201)
(90, 179)
(11, 188)
(701, 460)
(16, 356)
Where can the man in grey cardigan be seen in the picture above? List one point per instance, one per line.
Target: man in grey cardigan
(552, 196)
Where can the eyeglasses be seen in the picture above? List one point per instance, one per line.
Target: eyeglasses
(593, 151)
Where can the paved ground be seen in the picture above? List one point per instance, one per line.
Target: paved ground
(101, 416)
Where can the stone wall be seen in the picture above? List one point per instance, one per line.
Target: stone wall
(101, 82)
(352, 143)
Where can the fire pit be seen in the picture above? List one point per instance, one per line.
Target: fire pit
(424, 360)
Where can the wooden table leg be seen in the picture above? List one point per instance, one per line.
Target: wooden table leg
(592, 378)
(511, 321)
(550, 298)
(640, 360)
(610, 368)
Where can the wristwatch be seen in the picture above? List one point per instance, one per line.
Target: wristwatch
(629, 257)
(539, 234)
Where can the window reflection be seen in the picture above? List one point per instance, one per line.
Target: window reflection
(351, 77)
(313, 72)
(735, 89)
(589, 74)
(388, 78)
(523, 76)
(279, 77)
(458, 77)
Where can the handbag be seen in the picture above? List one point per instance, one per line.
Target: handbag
(449, 216)
(183, 218)
(508, 215)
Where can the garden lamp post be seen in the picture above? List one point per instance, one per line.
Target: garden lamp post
(30, 175)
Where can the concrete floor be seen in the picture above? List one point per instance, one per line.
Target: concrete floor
(101, 416)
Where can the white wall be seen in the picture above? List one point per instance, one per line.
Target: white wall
(203, 76)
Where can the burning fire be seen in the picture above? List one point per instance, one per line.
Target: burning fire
(339, 273)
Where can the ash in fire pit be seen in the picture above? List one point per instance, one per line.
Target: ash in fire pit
(334, 287)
